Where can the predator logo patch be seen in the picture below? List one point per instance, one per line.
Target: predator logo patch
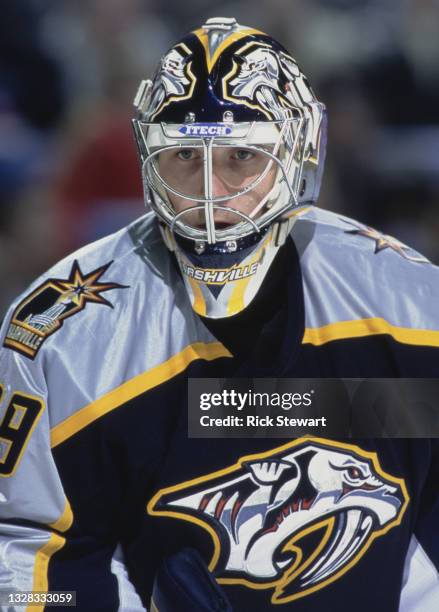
(293, 519)
(44, 311)
(175, 80)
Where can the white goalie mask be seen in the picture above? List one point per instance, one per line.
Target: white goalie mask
(231, 141)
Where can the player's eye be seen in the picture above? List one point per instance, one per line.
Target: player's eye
(186, 154)
(243, 155)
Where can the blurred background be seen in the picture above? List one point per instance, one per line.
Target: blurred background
(69, 70)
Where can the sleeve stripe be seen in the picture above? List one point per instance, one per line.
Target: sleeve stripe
(135, 387)
(65, 520)
(369, 327)
(41, 582)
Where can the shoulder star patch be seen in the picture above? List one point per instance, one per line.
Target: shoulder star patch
(43, 312)
(383, 241)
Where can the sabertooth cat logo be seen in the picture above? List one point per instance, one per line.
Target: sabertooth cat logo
(254, 81)
(293, 519)
(174, 81)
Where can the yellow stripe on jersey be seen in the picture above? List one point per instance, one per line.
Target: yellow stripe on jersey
(236, 301)
(43, 555)
(65, 520)
(369, 327)
(41, 581)
(199, 304)
(135, 387)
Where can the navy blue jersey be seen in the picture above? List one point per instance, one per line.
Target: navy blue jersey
(100, 481)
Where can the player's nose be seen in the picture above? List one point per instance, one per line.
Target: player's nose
(219, 186)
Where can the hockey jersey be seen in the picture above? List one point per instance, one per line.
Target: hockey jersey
(99, 480)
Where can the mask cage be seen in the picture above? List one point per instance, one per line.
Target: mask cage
(282, 142)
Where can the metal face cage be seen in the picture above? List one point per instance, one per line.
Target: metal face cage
(281, 144)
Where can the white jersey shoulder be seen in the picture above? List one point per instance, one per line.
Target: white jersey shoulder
(352, 273)
(70, 295)
(111, 312)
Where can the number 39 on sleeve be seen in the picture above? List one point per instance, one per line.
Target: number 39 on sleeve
(16, 427)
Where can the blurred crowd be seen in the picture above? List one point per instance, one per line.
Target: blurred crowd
(69, 70)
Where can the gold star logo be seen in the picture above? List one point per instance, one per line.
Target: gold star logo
(43, 312)
(81, 288)
(383, 241)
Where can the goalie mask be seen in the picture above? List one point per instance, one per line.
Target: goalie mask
(232, 144)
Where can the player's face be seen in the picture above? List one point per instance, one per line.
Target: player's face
(233, 169)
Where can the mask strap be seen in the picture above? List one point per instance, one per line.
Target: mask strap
(168, 237)
(282, 229)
